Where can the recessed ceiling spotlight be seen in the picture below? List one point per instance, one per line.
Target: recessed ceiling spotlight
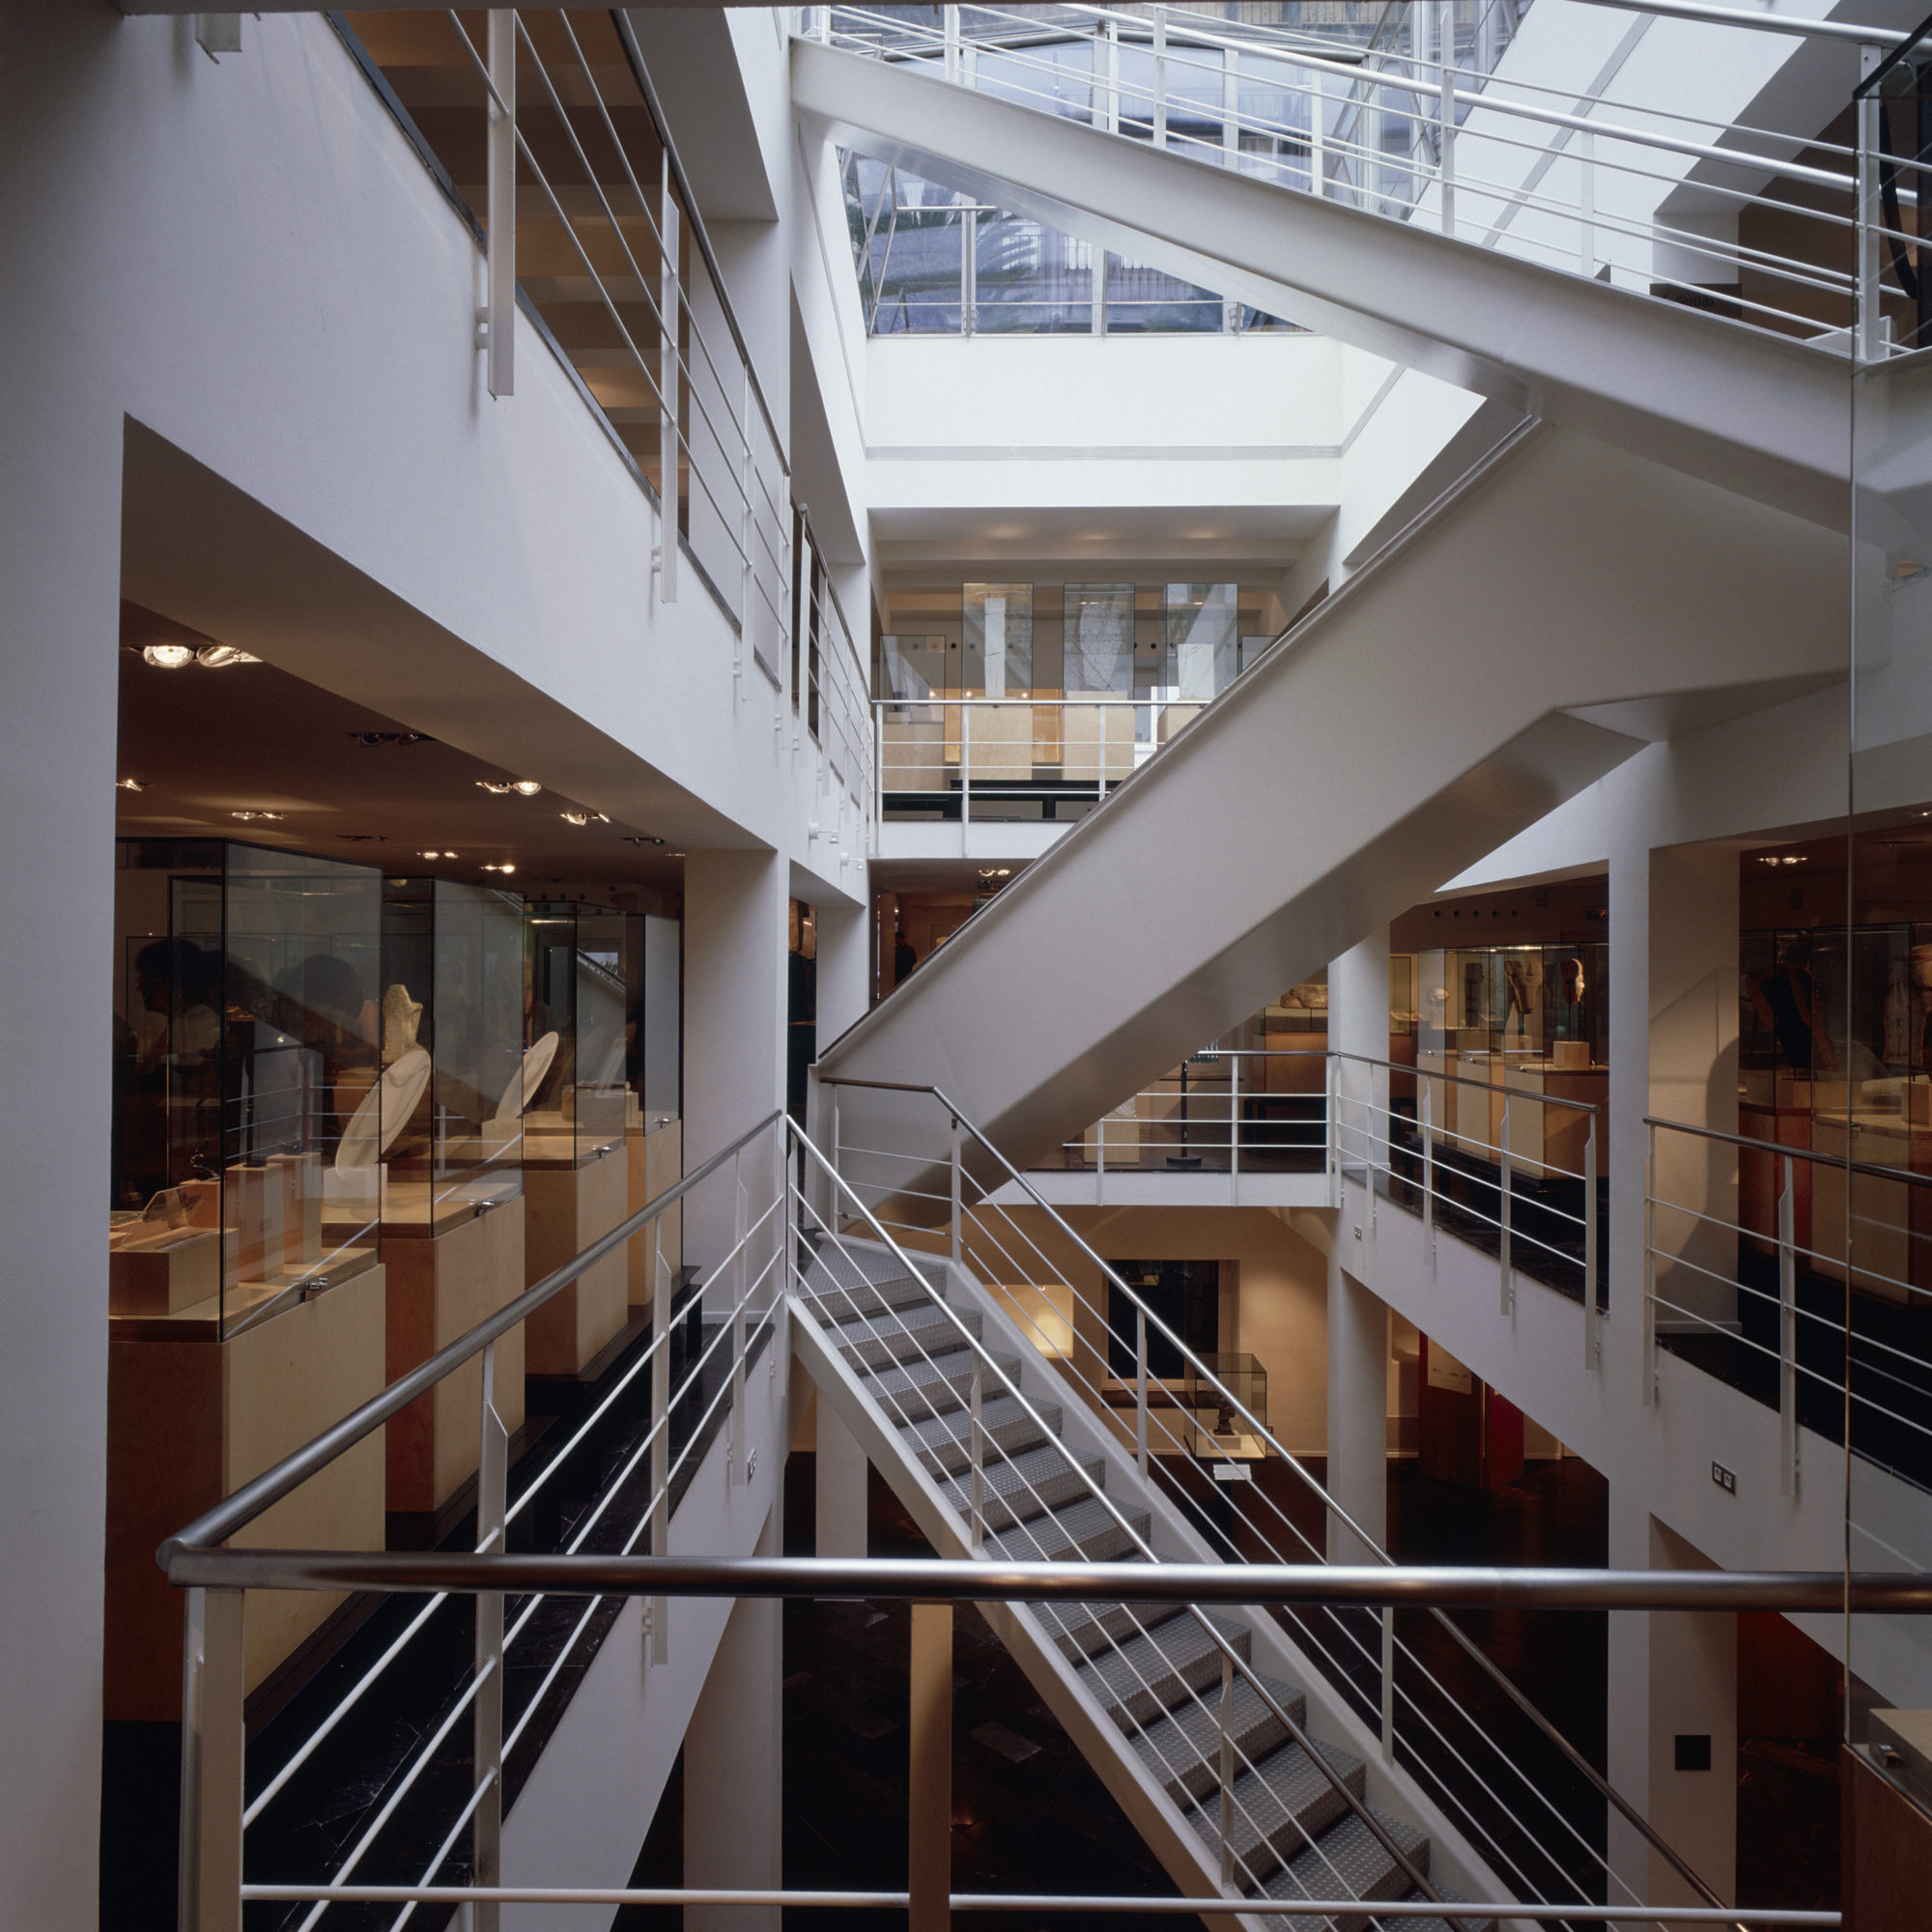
(374, 738)
(246, 815)
(575, 817)
(528, 786)
(129, 784)
(219, 657)
(433, 853)
(497, 785)
(638, 839)
(1006, 871)
(505, 868)
(167, 657)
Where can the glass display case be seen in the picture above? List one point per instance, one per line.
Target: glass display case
(253, 1110)
(452, 1047)
(577, 1093)
(1531, 1001)
(1202, 638)
(996, 640)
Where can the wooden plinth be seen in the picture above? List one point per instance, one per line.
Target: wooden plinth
(1887, 1850)
(441, 1287)
(565, 1208)
(189, 1422)
(656, 1161)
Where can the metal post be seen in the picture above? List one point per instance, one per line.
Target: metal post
(1334, 1130)
(745, 531)
(965, 768)
(1234, 1129)
(1161, 76)
(838, 1172)
(1318, 138)
(1428, 1167)
(1504, 1202)
(1445, 65)
(661, 1295)
(929, 1793)
(1587, 202)
(668, 315)
(738, 1219)
(211, 1759)
(977, 1451)
(1141, 1389)
(1226, 1771)
(950, 30)
(969, 269)
(1388, 1684)
(1787, 1334)
(1112, 45)
(499, 314)
(957, 1190)
(1230, 108)
(1869, 318)
(492, 1472)
(1593, 1341)
(1650, 1273)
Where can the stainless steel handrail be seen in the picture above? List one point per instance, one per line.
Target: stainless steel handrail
(1468, 1080)
(1866, 1167)
(987, 1580)
(237, 1511)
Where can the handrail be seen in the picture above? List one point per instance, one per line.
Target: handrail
(1476, 1654)
(1468, 1080)
(236, 1511)
(1797, 24)
(990, 1580)
(1872, 1171)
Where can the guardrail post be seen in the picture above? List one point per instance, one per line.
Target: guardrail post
(658, 1609)
(1593, 1340)
(1141, 1387)
(1586, 203)
(965, 769)
(1650, 1273)
(211, 1763)
(1425, 1112)
(748, 536)
(1226, 1771)
(1159, 78)
(1233, 1129)
(1445, 63)
(957, 1189)
(1787, 1334)
(738, 1222)
(1332, 1101)
(1231, 109)
(667, 314)
(1869, 321)
(978, 1452)
(950, 30)
(1504, 1202)
(1388, 1684)
(492, 1473)
(929, 1796)
(499, 314)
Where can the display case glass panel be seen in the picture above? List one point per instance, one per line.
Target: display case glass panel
(250, 1091)
(1203, 638)
(1098, 638)
(996, 640)
(584, 1005)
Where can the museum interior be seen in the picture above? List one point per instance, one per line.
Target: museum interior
(906, 797)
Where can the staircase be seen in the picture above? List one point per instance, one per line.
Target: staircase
(1186, 1714)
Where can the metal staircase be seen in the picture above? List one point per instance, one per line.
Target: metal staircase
(1183, 1712)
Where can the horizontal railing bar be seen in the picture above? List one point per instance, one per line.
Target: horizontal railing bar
(1460, 1080)
(1020, 1901)
(1868, 1168)
(910, 1579)
(1766, 23)
(248, 1502)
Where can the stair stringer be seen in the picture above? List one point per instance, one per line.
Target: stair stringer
(1105, 1747)
(1330, 1720)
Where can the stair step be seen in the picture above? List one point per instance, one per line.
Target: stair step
(1348, 1862)
(1083, 1532)
(907, 1335)
(1083, 1630)
(918, 1391)
(861, 1282)
(1443, 1924)
(1281, 1809)
(1183, 1749)
(1029, 1486)
(1151, 1674)
(944, 1442)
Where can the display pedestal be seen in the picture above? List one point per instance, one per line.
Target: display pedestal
(441, 1287)
(565, 1208)
(655, 1161)
(189, 1422)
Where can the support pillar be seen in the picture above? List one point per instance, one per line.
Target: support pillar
(841, 1476)
(1358, 1357)
(929, 1791)
(734, 1765)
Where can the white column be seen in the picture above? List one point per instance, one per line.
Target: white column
(1359, 1353)
(734, 1029)
(844, 967)
(734, 1765)
(841, 1482)
(1358, 1023)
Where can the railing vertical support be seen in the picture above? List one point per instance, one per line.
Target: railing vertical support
(1505, 1203)
(1333, 1084)
(1870, 325)
(1424, 1113)
(965, 770)
(1388, 1684)
(929, 1796)
(662, 1290)
(1231, 109)
(1593, 1312)
(740, 1204)
(1787, 1333)
(957, 1189)
(492, 1475)
(950, 18)
(747, 533)
(977, 1399)
(1141, 1389)
(211, 1759)
(667, 374)
(1318, 138)
(1234, 1129)
(499, 314)
(1445, 65)
(1586, 203)
(1226, 1771)
(1161, 76)
(1650, 1273)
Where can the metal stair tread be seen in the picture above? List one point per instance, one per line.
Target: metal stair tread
(1415, 1898)
(1281, 1806)
(1026, 1484)
(889, 1324)
(1183, 1748)
(949, 1375)
(1084, 1530)
(1161, 1663)
(1080, 1630)
(942, 1442)
(1348, 1861)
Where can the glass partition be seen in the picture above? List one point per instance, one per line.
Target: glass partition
(575, 1094)
(996, 640)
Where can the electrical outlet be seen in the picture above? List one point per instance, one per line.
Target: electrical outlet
(1724, 1478)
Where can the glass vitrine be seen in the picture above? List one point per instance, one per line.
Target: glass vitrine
(576, 1090)
(249, 1082)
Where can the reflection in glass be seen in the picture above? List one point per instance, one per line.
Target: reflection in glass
(1098, 636)
(1203, 632)
(997, 639)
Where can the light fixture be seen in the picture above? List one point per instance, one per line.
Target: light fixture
(528, 786)
(167, 657)
(129, 784)
(496, 785)
(638, 839)
(506, 866)
(575, 817)
(433, 853)
(219, 657)
(1006, 871)
(245, 816)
